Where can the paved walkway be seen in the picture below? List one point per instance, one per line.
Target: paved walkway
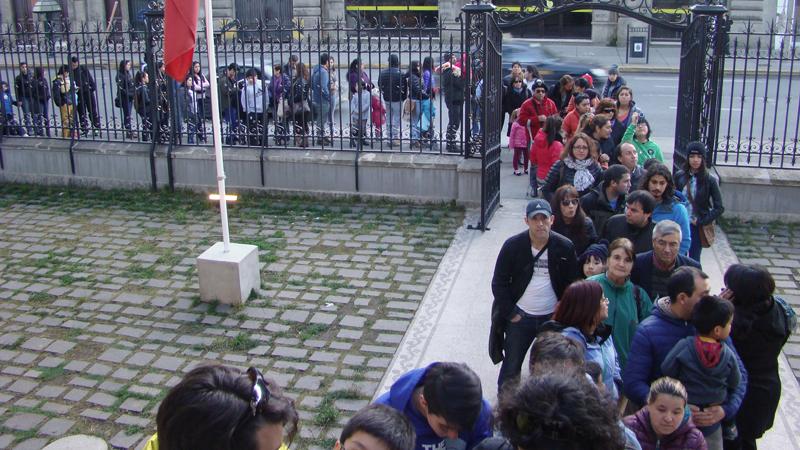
(452, 323)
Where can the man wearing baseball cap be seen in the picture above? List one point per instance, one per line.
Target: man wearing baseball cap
(532, 271)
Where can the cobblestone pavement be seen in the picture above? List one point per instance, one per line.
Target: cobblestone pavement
(776, 246)
(99, 312)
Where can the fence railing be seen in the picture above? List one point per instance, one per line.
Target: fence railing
(760, 103)
(101, 104)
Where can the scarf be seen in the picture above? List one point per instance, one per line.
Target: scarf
(583, 178)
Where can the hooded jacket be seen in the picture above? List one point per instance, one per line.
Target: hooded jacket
(705, 385)
(598, 348)
(653, 340)
(707, 204)
(596, 205)
(642, 272)
(543, 156)
(399, 398)
(686, 437)
(618, 227)
(625, 311)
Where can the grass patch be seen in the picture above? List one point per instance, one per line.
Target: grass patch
(41, 298)
(137, 271)
(327, 414)
(242, 342)
(15, 345)
(51, 373)
(308, 331)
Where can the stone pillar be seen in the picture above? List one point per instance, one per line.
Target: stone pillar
(448, 11)
(604, 27)
(333, 13)
(95, 11)
(7, 12)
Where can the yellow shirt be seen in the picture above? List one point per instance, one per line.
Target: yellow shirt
(152, 444)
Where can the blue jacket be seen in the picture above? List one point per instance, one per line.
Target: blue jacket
(654, 339)
(8, 101)
(676, 212)
(399, 398)
(642, 272)
(603, 353)
(321, 85)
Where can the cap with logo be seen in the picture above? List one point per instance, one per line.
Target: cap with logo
(538, 206)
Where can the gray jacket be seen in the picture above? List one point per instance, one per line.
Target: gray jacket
(706, 385)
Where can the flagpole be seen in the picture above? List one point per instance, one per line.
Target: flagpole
(212, 58)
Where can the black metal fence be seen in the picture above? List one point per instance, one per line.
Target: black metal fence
(99, 104)
(760, 100)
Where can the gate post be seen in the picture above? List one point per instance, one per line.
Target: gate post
(483, 69)
(154, 53)
(700, 81)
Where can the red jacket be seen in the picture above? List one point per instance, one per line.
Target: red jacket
(543, 156)
(570, 124)
(531, 109)
(686, 437)
(378, 112)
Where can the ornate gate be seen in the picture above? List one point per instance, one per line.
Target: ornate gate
(484, 72)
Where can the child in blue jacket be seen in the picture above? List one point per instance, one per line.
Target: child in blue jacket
(7, 122)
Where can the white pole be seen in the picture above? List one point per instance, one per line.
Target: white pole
(212, 58)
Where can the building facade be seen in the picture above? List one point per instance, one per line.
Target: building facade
(600, 27)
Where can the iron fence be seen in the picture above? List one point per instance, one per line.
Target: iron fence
(760, 103)
(99, 104)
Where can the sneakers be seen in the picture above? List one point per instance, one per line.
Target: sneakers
(517, 172)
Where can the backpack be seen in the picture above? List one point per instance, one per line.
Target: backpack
(789, 314)
(58, 97)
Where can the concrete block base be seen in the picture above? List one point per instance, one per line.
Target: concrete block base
(228, 277)
(78, 442)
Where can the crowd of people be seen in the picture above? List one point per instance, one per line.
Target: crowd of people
(295, 106)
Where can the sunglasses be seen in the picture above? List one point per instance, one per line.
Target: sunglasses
(259, 395)
(569, 202)
(609, 110)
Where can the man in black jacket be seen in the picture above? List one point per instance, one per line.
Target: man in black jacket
(651, 270)
(230, 89)
(87, 102)
(390, 82)
(532, 271)
(636, 224)
(607, 199)
(23, 89)
(453, 87)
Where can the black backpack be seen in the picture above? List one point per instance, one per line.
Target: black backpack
(58, 97)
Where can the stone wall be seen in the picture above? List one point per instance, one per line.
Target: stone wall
(760, 194)
(414, 177)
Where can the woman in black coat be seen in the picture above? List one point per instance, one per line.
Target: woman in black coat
(513, 98)
(760, 329)
(702, 191)
(577, 166)
(570, 220)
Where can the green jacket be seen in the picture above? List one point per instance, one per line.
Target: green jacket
(623, 314)
(645, 150)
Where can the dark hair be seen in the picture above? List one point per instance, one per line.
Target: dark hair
(710, 312)
(427, 64)
(644, 121)
(614, 174)
(293, 58)
(122, 66)
(702, 172)
(682, 282)
(622, 88)
(752, 287)
(517, 63)
(644, 199)
(626, 245)
(23, 63)
(139, 77)
(594, 370)
(578, 224)
(605, 103)
(582, 83)
(554, 412)
(210, 409)
(64, 69)
(413, 68)
(73, 59)
(277, 68)
(579, 304)
(355, 66)
(324, 58)
(453, 391)
(554, 351)
(552, 128)
(649, 162)
(565, 80)
(38, 72)
(250, 73)
(581, 97)
(595, 124)
(662, 170)
(233, 66)
(299, 70)
(384, 423)
(534, 70)
(394, 61)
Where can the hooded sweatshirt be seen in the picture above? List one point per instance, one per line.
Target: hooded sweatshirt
(399, 398)
(654, 339)
(685, 437)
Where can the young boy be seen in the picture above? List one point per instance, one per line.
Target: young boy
(377, 427)
(445, 405)
(704, 363)
(8, 124)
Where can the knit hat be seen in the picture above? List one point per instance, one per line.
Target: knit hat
(613, 70)
(598, 250)
(695, 148)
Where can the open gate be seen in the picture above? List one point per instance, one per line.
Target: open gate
(702, 61)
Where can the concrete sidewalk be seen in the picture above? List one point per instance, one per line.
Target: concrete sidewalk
(452, 323)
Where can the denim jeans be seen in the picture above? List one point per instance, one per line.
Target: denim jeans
(416, 117)
(519, 337)
(231, 116)
(27, 109)
(321, 116)
(394, 111)
(695, 248)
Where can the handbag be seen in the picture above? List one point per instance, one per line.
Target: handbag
(707, 234)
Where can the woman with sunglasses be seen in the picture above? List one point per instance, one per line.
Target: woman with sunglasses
(218, 407)
(514, 97)
(577, 166)
(570, 220)
(579, 315)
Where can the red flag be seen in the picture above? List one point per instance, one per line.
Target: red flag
(180, 35)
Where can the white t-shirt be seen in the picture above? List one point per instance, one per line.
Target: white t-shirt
(539, 299)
